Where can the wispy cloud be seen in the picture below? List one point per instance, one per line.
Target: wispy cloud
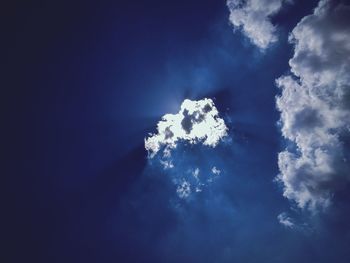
(285, 220)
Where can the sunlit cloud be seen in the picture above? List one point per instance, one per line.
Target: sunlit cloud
(196, 122)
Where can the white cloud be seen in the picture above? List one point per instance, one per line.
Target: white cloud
(167, 164)
(315, 107)
(196, 122)
(198, 190)
(215, 171)
(184, 189)
(285, 220)
(195, 173)
(253, 18)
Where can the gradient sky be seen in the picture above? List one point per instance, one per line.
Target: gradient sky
(84, 82)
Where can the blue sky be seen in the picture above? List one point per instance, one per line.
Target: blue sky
(85, 84)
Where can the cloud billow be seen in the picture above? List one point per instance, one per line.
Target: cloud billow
(197, 121)
(315, 107)
(253, 17)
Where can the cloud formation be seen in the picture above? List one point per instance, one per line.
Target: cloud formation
(184, 189)
(252, 17)
(215, 170)
(196, 122)
(285, 220)
(315, 107)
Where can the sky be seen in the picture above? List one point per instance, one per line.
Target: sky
(176, 131)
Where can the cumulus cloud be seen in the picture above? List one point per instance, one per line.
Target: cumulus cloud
(253, 17)
(315, 107)
(196, 122)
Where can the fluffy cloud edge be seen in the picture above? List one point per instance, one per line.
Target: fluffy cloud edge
(315, 116)
(253, 18)
(196, 122)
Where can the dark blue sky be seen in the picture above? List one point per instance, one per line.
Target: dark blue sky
(85, 82)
